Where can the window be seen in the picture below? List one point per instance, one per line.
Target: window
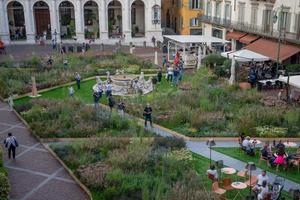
(194, 22)
(227, 14)
(285, 21)
(218, 10)
(156, 14)
(196, 4)
(217, 33)
(241, 13)
(133, 16)
(208, 8)
(254, 15)
(267, 20)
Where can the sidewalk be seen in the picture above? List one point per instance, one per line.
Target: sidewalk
(35, 174)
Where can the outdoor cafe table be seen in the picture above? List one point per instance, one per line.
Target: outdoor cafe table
(239, 186)
(228, 170)
(290, 144)
(255, 141)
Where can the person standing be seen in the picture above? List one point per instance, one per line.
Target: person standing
(111, 102)
(170, 73)
(148, 114)
(11, 144)
(164, 61)
(181, 65)
(154, 41)
(78, 79)
(159, 75)
(108, 89)
(176, 75)
(71, 91)
(96, 99)
(121, 108)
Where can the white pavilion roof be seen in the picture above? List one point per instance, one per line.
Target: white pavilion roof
(194, 39)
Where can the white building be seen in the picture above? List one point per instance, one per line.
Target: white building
(247, 22)
(104, 21)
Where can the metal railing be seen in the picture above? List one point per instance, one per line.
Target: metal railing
(266, 30)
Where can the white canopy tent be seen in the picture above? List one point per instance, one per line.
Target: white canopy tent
(243, 55)
(291, 80)
(184, 41)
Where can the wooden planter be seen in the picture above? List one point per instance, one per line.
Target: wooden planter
(245, 85)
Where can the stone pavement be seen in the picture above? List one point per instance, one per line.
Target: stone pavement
(200, 147)
(35, 174)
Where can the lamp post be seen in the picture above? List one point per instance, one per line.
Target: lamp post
(279, 18)
(250, 167)
(210, 143)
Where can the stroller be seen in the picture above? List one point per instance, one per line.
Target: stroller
(277, 188)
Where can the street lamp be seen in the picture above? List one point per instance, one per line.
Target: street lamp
(279, 18)
(210, 143)
(250, 167)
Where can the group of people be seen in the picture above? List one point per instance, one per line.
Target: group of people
(247, 145)
(174, 71)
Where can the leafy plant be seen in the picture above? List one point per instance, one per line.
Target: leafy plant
(270, 131)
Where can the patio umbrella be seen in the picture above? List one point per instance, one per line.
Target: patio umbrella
(245, 55)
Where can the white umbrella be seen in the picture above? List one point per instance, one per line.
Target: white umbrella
(245, 55)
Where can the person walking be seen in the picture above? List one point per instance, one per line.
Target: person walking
(148, 115)
(78, 79)
(11, 144)
(111, 102)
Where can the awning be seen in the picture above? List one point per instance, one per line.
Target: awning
(235, 35)
(293, 81)
(269, 48)
(245, 55)
(247, 39)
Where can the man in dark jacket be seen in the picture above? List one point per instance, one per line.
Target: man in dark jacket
(148, 114)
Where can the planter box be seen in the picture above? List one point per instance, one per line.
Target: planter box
(245, 85)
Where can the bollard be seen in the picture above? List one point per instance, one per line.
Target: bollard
(145, 44)
(155, 58)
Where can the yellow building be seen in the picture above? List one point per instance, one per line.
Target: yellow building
(183, 16)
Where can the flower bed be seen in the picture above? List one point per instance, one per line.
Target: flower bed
(4, 183)
(18, 80)
(74, 119)
(136, 169)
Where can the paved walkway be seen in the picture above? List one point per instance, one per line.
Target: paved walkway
(202, 149)
(35, 174)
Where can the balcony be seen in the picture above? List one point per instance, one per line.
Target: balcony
(264, 31)
(266, 1)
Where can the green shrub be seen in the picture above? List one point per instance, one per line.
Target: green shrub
(270, 131)
(293, 68)
(168, 143)
(4, 182)
(212, 59)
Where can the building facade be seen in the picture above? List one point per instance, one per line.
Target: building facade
(183, 16)
(246, 21)
(102, 21)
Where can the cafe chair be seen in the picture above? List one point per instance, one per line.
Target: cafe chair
(242, 173)
(268, 196)
(211, 177)
(296, 163)
(253, 181)
(227, 184)
(216, 189)
(261, 158)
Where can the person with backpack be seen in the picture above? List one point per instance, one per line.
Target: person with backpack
(11, 144)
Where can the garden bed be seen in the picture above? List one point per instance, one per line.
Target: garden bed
(17, 80)
(141, 169)
(291, 173)
(4, 183)
(72, 118)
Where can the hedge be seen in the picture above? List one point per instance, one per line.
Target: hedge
(4, 184)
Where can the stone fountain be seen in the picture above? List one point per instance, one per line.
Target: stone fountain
(124, 84)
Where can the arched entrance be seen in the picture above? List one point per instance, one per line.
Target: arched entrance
(168, 24)
(16, 21)
(138, 19)
(114, 19)
(91, 20)
(67, 20)
(42, 19)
